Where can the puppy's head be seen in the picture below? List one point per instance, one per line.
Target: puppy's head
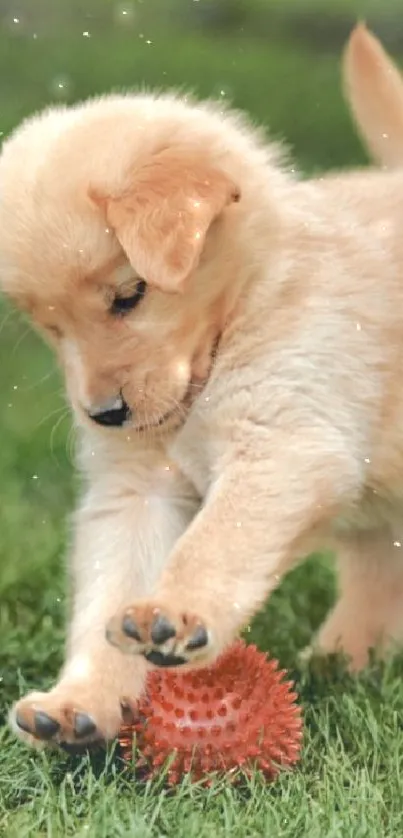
(118, 225)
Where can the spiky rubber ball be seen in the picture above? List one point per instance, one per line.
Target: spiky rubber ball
(239, 714)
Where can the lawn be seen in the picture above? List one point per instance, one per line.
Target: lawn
(349, 781)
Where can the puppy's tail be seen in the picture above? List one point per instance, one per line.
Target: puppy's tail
(374, 91)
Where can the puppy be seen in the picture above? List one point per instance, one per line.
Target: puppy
(232, 341)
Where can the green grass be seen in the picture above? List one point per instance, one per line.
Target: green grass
(349, 780)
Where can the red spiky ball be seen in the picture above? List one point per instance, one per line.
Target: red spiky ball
(239, 713)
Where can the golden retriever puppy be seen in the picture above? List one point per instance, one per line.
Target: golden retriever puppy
(232, 342)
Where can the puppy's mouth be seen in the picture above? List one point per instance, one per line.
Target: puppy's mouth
(177, 414)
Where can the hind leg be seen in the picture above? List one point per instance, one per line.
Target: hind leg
(369, 611)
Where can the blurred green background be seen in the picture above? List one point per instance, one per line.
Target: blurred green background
(279, 60)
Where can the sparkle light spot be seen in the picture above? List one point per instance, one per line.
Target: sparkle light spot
(182, 369)
(125, 14)
(79, 667)
(60, 86)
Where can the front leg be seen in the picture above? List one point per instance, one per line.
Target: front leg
(262, 513)
(125, 529)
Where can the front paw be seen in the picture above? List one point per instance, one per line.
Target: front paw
(64, 717)
(164, 636)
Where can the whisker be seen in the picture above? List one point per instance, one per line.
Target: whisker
(49, 416)
(52, 436)
(195, 385)
(70, 444)
(6, 318)
(42, 380)
(21, 339)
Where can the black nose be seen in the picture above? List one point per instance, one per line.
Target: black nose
(111, 414)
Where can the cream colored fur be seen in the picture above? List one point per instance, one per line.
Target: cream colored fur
(286, 437)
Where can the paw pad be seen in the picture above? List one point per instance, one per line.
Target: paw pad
(161, 630)
(83, 725)
(198, 639)
(129, 627)
(43, 726)
(159, 659)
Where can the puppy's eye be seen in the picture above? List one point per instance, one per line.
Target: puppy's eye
(123, 304)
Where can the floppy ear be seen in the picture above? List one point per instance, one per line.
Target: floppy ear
(162, 220)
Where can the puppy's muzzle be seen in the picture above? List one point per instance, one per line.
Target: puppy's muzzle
(113, 413)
